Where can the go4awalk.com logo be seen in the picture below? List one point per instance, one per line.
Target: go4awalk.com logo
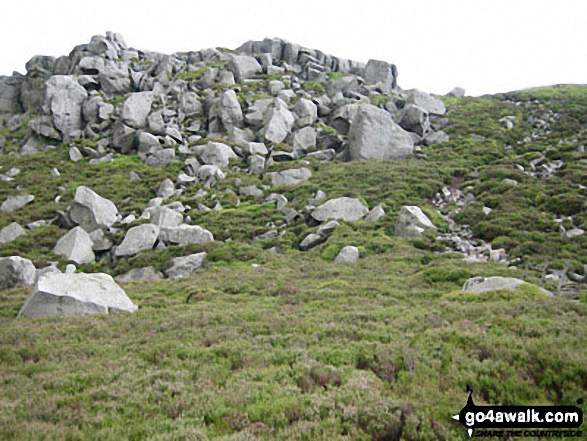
(520, 421)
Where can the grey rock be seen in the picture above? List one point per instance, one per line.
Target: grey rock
(374, 135)
(74, 154)
(64, 98)
(148, 143)
(375, 214)
(415, 119)
(15, 202)
(255, 148)
(76, 294)
(134, 176)
(435, 138)
(412, 222)
(115, 78)
(327, 229)
(165, 217)
(70, 268)
(136, 108)
(184, 234)
(457, 92)
(166, 189)
(11, 232)
(47, 271)
(290, 177)
(91, 211)
(123, 137)
(303, 140)
(139, 274)
(344, 208)
(311, 241)
(430, 104)
(243, 67)
(256, 164)
(215, 153)
(347, 254)
(381, 72)
(323, 155)
(510, 182)
(186, 266)
(10, 94)
(307, 112)
(343, 117)
(100, 241)
(256, 112)
(250, 190)
(279, 199)
(16, 272)
(278, 121)
(76, 246)
(137, 239)
(275, 86)
(190, 104)
(226, 113)
(156, 123)
(480, 285)
(210, 173)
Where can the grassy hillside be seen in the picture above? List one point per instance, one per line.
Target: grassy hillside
(297, 347)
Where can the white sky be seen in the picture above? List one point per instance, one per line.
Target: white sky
(485, 46)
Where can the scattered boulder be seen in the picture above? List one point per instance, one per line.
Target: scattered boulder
(430, 104)
(480, 285)
(139, 274)
(344, 208)
(76, 246)
(375, 214)
(215, 153)
(312, 240)
(186, 266)
(412, 222)
(374, 135)
(136, 108)
(381, 72)
(15, 202)
(184, 234)
(76, 294)
(91, 211)
(347, 254)
(11, 232)
(293, 176)
(16, 272)
(137, 239)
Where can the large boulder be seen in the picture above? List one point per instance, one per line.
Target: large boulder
(137, 239)
(415, 119)
(11, 232)
(136, 108)
(412, 222)
(307, 112)
(76, 246)
(290, 177)
(185, 266)
(165, 217)
(15, 272)
(483, 284)
(243, 67)
(184, 234)
(381, 72)
(63, 99)
(215, 153)
(91, 211)
(226, 113)
(374, 135)
(76, 294)
(347, 209)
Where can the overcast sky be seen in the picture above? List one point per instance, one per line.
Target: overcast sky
(485, 46)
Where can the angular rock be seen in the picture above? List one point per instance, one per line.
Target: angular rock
(184, 234)
(344, 208)
(215, 153)
(64, 98)
(381, 72)
(91, 211)
(328, 228)
(76, 294)
(136, 108)
(166, 189)
(303, 140)
(11, 232)
(278, 121)
(100, 241)
(76, 246)
(347, 254)
(190, 104)
(185, 266)
(250, 190)
(15, 202)
(415, 119)
(139, 274)
(16, 272)
(226, 113)
(435, 138)
(312, 240)
(255, 148)
(293, 176)
(243, 67)
(165, 217)
(430, 104)
(123, 137)
(210, 173)
(74, 154)
(137, 239)
(10, 94)
(375, 214)
(483, 284)
(256, 164)
(307, 112)
(374, 135)
(412, 222)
